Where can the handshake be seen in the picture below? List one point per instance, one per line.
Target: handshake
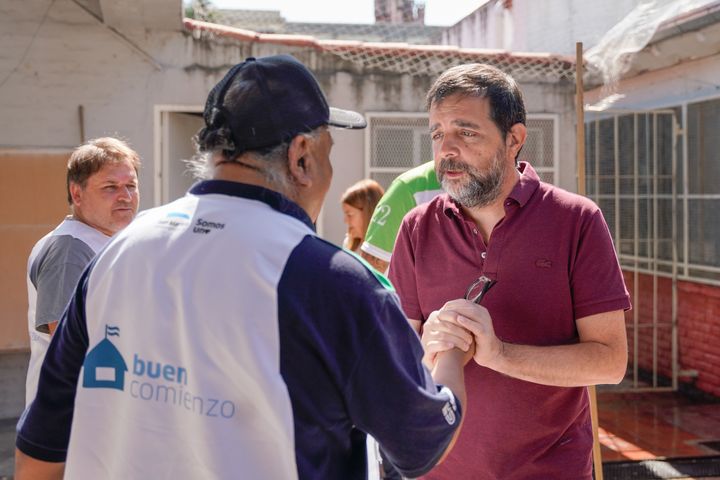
(465, 326)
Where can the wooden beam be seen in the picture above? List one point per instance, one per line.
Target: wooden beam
(580, 141)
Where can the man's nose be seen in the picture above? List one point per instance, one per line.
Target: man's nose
(125, 193)
(447, 147)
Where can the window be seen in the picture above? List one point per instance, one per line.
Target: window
(636, 174)
(397, 142)
(540, 149)
(703, 185)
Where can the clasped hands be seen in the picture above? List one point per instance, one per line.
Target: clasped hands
(464, 325)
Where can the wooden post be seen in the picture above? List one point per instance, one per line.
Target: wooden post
(580, 114)
(580, 140)
(81, 123)
(597, 453)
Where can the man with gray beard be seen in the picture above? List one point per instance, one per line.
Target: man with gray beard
(522, 273)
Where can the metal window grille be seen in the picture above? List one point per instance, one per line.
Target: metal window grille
(655, 198)
(632, 174)
(397, 142)
(540, 149)
(702, 202)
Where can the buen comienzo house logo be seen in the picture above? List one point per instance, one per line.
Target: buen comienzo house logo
(104, 367)
(161, 383)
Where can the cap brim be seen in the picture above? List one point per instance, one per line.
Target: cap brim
(346, 119)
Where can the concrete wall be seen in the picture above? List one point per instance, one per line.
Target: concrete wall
(538, 25)
(483, 28)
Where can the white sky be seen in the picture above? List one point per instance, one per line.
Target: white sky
(437, 12)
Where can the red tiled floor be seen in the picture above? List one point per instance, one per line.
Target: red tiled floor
(643, 426)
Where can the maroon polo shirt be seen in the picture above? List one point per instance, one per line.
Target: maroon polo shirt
(554, 262)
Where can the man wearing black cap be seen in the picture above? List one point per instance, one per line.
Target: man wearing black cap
(219, 337)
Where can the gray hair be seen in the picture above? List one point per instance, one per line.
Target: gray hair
(270, 162)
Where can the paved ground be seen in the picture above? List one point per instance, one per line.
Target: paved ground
(7, 452)
(7, 448)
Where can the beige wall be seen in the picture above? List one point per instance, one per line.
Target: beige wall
(33, 199)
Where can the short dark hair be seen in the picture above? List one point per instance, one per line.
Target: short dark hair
(93, 155)
(485, 81)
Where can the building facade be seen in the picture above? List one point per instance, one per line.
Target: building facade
(78, 69)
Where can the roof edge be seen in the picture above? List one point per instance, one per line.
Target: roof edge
(310, 41)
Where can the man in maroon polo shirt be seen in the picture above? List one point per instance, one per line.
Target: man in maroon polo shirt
(552, 321)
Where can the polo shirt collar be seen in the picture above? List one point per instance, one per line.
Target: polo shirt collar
(273, 199)
(521, 192)
(526, 186)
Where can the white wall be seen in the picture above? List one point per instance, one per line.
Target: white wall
(558, 99)
(178, 130)
(538, 25)
(556, 25)
(669, 87)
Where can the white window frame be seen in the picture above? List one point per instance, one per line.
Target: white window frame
(368, 168)
(555, 169)
(161, 160)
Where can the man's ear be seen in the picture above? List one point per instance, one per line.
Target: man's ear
(515, 139)
(300, 160)
(75, 193)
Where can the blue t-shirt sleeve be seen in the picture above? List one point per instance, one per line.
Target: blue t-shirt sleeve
(395, 399)
(352, 361)
(44, 428)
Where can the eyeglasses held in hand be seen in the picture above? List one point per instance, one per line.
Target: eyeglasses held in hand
(477, 290)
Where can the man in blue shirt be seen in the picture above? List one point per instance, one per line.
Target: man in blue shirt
(219, 337)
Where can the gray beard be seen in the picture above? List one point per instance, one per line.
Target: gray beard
(481, 189)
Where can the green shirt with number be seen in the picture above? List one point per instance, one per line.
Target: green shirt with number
(412, 188)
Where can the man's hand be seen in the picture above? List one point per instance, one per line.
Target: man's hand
(476, 319)
(441, 332)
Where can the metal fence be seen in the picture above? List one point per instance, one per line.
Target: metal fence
(632, 174)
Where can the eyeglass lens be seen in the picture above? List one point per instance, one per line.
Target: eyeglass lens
(477, 290)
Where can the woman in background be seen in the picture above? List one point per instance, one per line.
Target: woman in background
(358, 203)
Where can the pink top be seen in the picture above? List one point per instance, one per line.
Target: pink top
(553, 259)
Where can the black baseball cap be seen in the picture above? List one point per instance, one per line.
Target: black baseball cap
(274, 99)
